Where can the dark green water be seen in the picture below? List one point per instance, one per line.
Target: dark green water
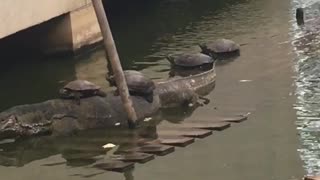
(264, 148)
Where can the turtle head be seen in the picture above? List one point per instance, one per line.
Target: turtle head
(205, 50)
(111, 80)
(202, 46)
(300, 16)
(170, 58)
(65, 93)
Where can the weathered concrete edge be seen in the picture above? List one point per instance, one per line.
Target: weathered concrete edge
(24, 14)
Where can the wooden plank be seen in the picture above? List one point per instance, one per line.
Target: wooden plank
(218, 126)
(179, 141)
(133, 157)
(225, 117)
(190, 132)
(117, 166)
(156, 149)
(54, 164)
(159, 150)
(235, 119)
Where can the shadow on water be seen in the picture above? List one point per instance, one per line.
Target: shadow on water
(27, 80)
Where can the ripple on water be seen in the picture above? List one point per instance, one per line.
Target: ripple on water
(306, 45)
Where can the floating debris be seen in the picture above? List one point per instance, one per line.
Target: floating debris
(190, 104)
(147, 119)
(245, 80)
(169, 137)
(108, 146)
(117, 124)
(245, 115)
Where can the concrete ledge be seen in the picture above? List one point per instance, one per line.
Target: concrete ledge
(18, 15)
(50, 28)
(72, 32)
(85, 27)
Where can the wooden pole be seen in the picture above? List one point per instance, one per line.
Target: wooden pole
(112, 56)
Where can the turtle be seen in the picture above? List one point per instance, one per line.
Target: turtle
(80, 89)
(138, 84)
(221, 48)
(190, 60)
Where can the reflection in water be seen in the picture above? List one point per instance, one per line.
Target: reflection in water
(307, 46)
(129, 175)
(92, 67)
(145, 32)
(84, 148)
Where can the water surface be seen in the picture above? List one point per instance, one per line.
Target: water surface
(305, 41)
(265, 147)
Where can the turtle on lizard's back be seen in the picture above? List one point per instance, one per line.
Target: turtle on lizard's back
(80, 89)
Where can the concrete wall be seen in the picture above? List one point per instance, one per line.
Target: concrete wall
(17, 15)
(70, 32)
(49, 26)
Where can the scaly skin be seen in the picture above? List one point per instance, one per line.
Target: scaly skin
(63, 116)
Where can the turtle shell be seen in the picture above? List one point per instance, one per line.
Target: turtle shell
(138, 82)
(191, 60)
(221, 46)
(81, 85)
